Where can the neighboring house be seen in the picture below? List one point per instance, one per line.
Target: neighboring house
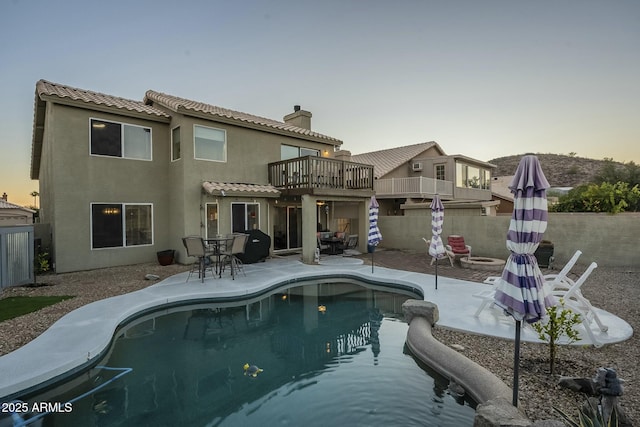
(500, 192)
(408, 177)
(11, 214)
(121, 179)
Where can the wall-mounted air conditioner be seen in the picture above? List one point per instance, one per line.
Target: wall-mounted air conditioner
(417, 167)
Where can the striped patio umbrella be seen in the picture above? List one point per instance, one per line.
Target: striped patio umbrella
(520, 291)
(436, 248)
(374, 236)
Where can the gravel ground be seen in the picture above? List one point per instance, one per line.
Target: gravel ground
(616, 291)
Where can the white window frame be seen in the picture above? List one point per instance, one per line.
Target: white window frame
(299, 149)
(206, 210)
(124, 225)
(224, 150)
(245, 214)
(122, 140)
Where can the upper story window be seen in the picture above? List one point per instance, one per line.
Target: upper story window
(120, 140)
(472, 177)
(209, 143)
(291, 152)
(440, 172)
(175, 143)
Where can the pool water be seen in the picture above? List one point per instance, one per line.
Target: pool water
(331, 354)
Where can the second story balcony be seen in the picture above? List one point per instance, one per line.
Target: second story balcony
(416, 187)
(322, 176)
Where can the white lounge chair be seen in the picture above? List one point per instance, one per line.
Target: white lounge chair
(569, 291)
(574, 300)
(551, 279)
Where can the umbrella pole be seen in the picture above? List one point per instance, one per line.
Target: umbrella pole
(372, 259)
(516, 364)
(436, 273)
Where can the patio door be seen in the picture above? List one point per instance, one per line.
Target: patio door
(288, 228)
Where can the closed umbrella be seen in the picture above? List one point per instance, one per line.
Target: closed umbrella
(436, 248)
(520, 291)
(374, 236)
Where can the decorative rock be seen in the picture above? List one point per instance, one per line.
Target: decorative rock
(413, 307)
(499, 413)
(152, 277)
(457, 347)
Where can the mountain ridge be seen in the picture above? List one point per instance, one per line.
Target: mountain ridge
(559, 169)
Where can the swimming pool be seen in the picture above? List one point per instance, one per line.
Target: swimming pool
(331, 353)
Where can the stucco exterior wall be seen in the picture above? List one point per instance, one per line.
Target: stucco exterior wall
(71, 179)
(74, 179)
(609, 240)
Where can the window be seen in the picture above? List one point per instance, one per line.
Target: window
(245, 216)
(440, 172)
(121, 225)
(291, 152)
(120, 140)
(472, 177)
(175, 143)
(212, 219)
(209, 144)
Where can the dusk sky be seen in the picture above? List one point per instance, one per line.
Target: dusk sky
(484, 79)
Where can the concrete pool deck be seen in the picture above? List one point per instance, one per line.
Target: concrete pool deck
(80, 337)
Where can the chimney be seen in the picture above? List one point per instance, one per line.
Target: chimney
(4, 196)
(344, 155)
(299, 118)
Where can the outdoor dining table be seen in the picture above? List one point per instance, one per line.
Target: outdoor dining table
(334, 244)
(217, 245)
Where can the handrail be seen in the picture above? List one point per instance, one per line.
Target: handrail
(18, 421)
(319, 172)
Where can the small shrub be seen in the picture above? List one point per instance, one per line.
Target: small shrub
(590, 415)
(561, 322)
(42, 263)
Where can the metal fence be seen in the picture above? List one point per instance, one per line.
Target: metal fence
(16, 255)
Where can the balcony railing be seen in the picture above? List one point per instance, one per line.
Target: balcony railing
(314, 172)
(415, 186)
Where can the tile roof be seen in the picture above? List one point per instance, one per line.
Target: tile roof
(181, 104)
(46, 88)
(500, 187)
(6, 205)
(239, 189)
(384, 161)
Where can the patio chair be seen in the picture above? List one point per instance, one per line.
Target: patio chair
(196, 248)
(231, 253)
(551, 280)
(447, 252)
(555, 280)
(573, 299)
(324, 248)
(350, 245)
(458, 247)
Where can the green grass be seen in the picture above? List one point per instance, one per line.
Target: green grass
(17, 306)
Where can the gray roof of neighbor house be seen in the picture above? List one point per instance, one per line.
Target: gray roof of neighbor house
(384, 161)
(6, 205)
(187, 106)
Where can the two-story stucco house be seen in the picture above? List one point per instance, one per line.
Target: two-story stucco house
(121, 179)
(407, 178)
